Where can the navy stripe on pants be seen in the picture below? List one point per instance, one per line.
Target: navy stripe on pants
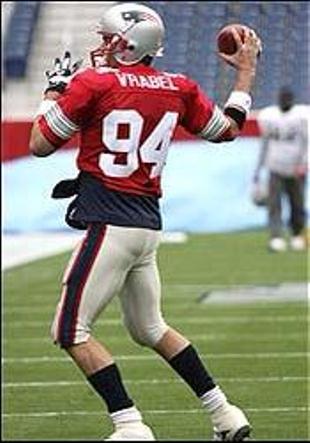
(76, 282)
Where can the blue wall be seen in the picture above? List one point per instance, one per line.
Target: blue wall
(206, 189)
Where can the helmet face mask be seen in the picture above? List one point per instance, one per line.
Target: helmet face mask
(112, 43)
(130, 32)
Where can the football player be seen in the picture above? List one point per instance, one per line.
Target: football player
(283, 153)
(126, 112)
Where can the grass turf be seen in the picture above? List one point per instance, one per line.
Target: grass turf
(256, 351)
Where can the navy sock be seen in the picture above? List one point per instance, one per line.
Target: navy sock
(108, 384)
(190, 367)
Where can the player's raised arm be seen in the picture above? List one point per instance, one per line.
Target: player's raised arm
(208, 120)
(244, 60)
(51, 127)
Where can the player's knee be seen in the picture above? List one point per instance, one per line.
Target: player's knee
(69, 342)
(148, 335)
(66, 339)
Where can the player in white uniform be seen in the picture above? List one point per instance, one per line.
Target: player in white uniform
(126, 112)
(285, 135)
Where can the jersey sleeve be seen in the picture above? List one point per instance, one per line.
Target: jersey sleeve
(203, 117)
(68, 113)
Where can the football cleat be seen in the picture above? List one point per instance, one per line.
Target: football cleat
(230, 424)
(298, 243)
(277, 244)
(132, 432)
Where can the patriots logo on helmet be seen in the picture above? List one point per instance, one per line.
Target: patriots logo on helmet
(137, 16)
(134, 16)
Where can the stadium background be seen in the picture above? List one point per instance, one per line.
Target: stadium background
(214, 180)
(207, 195)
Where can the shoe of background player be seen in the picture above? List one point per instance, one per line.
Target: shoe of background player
(230, 424)
(277, 244)
(298, 243)
(132, 432)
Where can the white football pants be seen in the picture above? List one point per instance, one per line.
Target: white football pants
(111, 260)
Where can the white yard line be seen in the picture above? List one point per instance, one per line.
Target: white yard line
(133, 357)
(64, 383)
(188, 292)
(43, 307)
(203, 337)
(184, 320)
(293, 409)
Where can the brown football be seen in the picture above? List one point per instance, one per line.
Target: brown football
(225, 38)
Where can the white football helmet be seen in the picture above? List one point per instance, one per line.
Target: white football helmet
(130, 32)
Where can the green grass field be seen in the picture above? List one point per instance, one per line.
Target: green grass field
(257, 351)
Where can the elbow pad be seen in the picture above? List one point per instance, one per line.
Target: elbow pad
(238, 106)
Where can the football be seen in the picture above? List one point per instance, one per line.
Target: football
(225, 38)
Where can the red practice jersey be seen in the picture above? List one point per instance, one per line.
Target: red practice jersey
(126, 118)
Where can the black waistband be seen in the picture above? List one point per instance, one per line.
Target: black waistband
(96, 203)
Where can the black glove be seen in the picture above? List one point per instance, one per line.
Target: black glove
(62, 73)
